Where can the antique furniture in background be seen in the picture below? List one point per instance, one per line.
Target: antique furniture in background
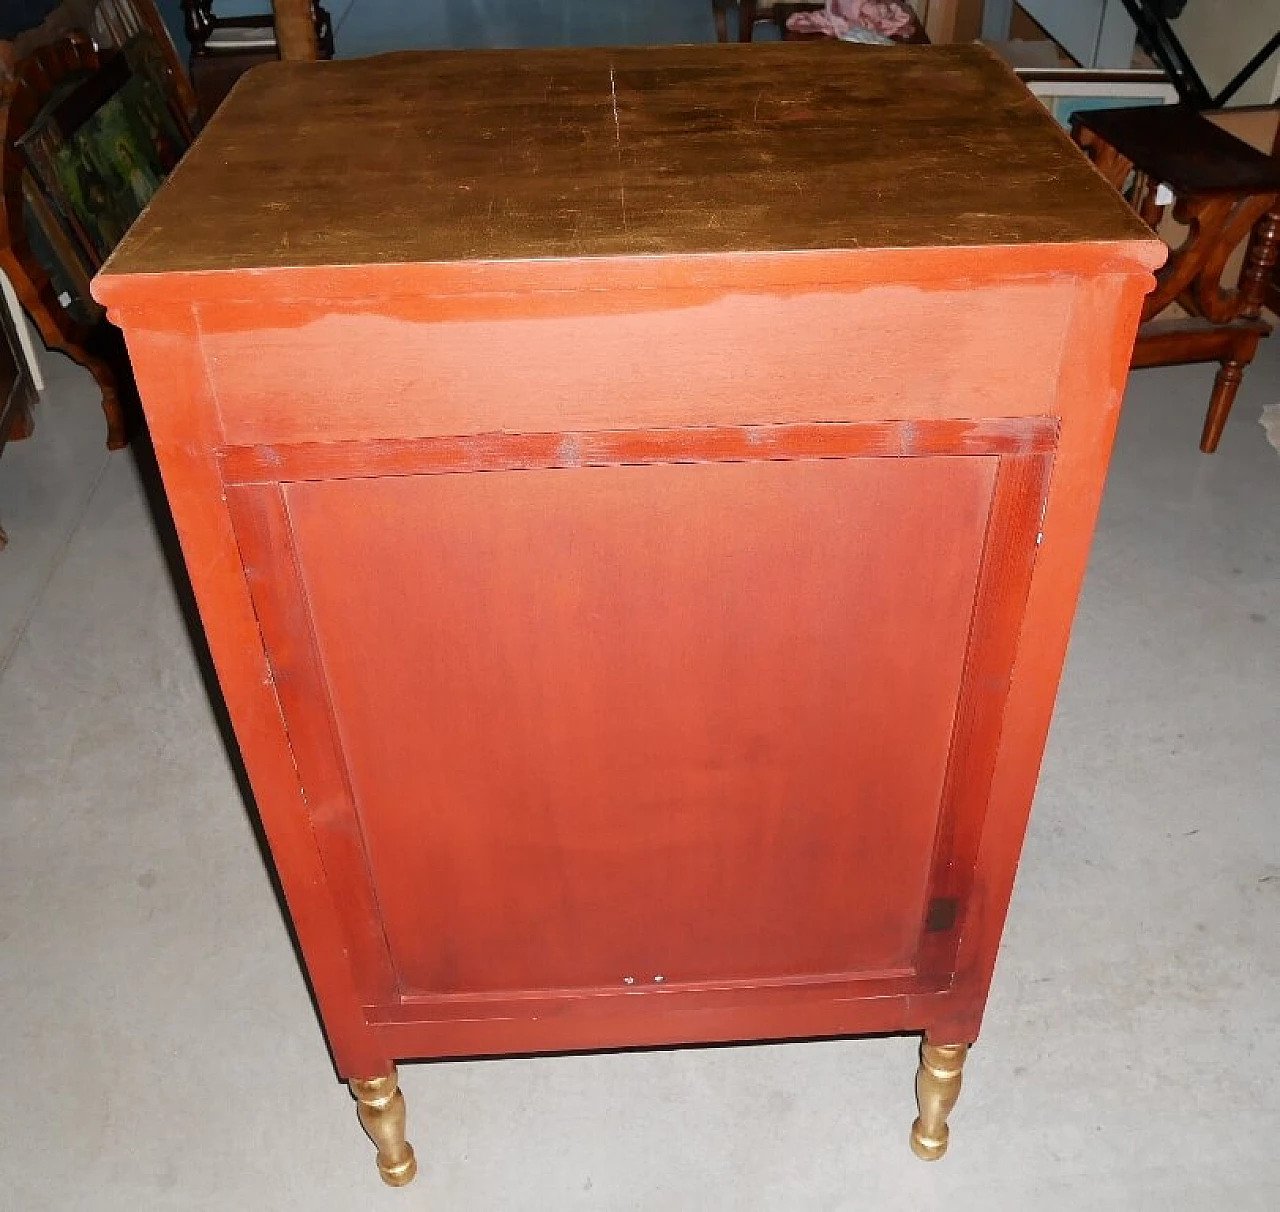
(224, 48)
(1227, 193)
(93, 343)
(115, 22)
(604, 678)
(110, 24)
(32, 234)
(299, 30)
(746, 19)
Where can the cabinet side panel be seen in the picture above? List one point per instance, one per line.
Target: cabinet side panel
(1093, 372)
(169, 367)
(262, 532)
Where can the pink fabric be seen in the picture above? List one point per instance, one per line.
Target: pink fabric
(893, 18)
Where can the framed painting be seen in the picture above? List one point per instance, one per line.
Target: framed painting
(101, 147)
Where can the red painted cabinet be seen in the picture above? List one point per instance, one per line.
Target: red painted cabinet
(636, 503)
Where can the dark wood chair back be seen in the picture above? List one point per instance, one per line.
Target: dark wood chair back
(88, 339)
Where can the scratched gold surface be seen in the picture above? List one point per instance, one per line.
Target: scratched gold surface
(483, 155)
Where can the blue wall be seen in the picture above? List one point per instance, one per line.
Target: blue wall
(171, 11)
(368, 27)
(365, 27)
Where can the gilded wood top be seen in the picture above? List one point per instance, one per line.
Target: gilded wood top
(483, 155)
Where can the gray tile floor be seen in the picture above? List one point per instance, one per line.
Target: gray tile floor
(159, 1051)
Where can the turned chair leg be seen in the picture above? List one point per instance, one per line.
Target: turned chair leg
(381, 1109)
(117, 427)
(937, 1088)
(719, 10)
(108, 363)
(102, 363)
(746, 20)
(1225, 385)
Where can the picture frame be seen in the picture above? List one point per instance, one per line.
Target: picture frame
(61, 256)
(1067, 90)
(101, 147)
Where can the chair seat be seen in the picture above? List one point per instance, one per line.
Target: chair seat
(1182, 148)
(1229, 195)
(239, 35)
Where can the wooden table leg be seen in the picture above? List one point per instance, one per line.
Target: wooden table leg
(1225, 385)
(296, 29)
(719, 10)
(1259, 265)
(382, 1115)
(746, 20)
(937, 1088)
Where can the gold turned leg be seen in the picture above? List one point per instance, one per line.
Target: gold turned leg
(381, 1108)
(937, 1088)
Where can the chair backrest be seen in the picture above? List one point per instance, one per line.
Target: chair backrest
(303, 28)
(35, 242)
(34, 80)
(115, 22)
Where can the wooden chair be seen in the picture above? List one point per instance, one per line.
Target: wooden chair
(224, 48)
(1172, 159)
(97, 346)
(116, 22)
(747, 12)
